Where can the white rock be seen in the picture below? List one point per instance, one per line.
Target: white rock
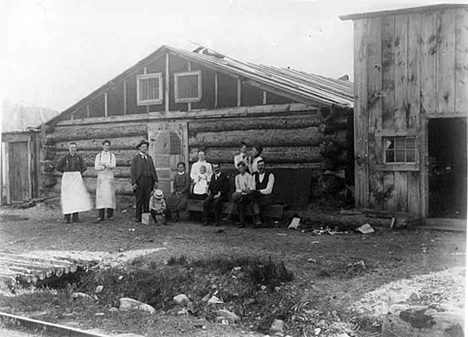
(295, 222)
(215, 300)
(99, 289)
(132, 304)
(82, 296)
(365, 229)
(277, 327)
(181, 299)
(230, 316)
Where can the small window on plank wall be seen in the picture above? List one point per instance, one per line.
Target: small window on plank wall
(188, 87)
(400, 149)
(149, 89)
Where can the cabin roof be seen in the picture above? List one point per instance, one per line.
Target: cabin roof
(400, 11)
(308, 88)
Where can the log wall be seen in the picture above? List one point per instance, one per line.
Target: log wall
(294, 148)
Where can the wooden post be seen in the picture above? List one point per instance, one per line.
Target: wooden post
(264, 94)
(216, 90)
(239, 92)
(166, 89)
(87, 111)
(189, 67)
(7, 173)
(125, 97)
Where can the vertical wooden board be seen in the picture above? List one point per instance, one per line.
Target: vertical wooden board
(446, 63)
(131, 99)
(429, 37)
(374, 106)
(19, 180)
(414, 82)
(277, 99)
(461, 62)
(227, 91)
(361, 121)
(389, 203)
(251, 95)
(401, 189)
(115, 100)
(97, 106)
(176, 65)
(208, 79)
(414, 204)
(388, 72)
(401, 71)
(157, 66)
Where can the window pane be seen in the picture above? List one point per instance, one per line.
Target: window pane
(411, 156)
(389, 156)
(400, 156)
(149, 89)
(410, 142)
(187, 86)
(389, 143)
(399, 143)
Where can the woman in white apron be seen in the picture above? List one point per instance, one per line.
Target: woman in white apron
(105, 189)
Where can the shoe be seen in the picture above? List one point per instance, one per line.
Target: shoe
(242, 225)
(99, 220)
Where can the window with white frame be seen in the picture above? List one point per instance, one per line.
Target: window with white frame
(149, 89)
(400, 149)
(188, 87)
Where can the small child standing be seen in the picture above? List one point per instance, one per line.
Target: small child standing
(158, 207)
(202, 180)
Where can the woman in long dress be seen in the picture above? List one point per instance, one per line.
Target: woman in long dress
(177, 200)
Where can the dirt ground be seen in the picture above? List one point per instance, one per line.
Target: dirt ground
(395, 264)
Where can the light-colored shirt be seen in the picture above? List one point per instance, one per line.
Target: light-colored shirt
(196, 169)
(106, 158)
(202, 181)
(271, 182)
(244, 183)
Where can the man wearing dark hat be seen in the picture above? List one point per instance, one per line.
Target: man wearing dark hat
(104, 164)
(144, 179)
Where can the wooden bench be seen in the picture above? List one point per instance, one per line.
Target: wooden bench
(270, 211)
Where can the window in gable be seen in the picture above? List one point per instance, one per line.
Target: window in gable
(188, 87)
(149, 89)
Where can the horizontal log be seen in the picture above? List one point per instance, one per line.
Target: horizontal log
(101, 131)
(119, 172)
(270, 154)
(41, 275)
(122, 185)
(253, 124)
(122, 157)
(339, 138)
(267, 138)
(95, 144)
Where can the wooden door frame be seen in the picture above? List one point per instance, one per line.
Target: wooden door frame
(424, 157)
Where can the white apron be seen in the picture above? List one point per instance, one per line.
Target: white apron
(105, 190)
(74, 196)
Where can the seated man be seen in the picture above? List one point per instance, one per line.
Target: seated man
(218, 191)
(263, 187)
(244, 187)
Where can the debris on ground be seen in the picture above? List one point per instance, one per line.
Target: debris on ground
(226, 317)
(295, 222)
(365, 229)
(132, 304)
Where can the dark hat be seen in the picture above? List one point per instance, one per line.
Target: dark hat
(106, 141)
(142, 143)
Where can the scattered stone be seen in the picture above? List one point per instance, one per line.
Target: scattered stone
(215, 300)
(365, 229)
(99, 314)
(277, 327)
(84, 296)
(99, 289)
(182, 312)
(113, 309)
(131, 304)
(295, 222)
(229, 316)
(418, 321)
(182, 300)
(415, 297)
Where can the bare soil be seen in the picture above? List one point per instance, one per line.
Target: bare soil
(348, 275)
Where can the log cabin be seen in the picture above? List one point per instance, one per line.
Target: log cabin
(184, 101)
(411, 105)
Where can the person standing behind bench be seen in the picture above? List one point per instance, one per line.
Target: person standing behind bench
(263, 187)
(244, 188)
(73, 195)
(218, 192)
(256, 151)
(144, 179)
(104, 164)
(201, 162)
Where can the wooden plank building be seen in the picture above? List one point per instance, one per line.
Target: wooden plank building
(411, 104)
(184, 101)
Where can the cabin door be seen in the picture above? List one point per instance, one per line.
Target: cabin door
(447, 168)
(19, 184)
(168, 146)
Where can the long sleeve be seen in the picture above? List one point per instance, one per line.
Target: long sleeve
(271, 182)
(61, 164)
(113, 161)
(81, 163)
(133, 170)
(187, 184)
(194, 171)
(153, 169)
(97, 163)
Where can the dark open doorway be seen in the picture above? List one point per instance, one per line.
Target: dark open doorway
(447, 168)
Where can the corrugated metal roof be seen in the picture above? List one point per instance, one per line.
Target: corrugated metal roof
(313, 88)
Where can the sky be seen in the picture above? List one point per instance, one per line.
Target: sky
(56, 52)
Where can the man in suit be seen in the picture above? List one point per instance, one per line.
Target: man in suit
(144, 179)
(218, 191)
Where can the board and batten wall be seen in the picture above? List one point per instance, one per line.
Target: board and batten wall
(408, 67)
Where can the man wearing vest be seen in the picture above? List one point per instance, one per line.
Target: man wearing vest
(263, 187)
(144, 179)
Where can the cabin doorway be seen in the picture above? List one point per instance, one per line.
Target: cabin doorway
(447, 168)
